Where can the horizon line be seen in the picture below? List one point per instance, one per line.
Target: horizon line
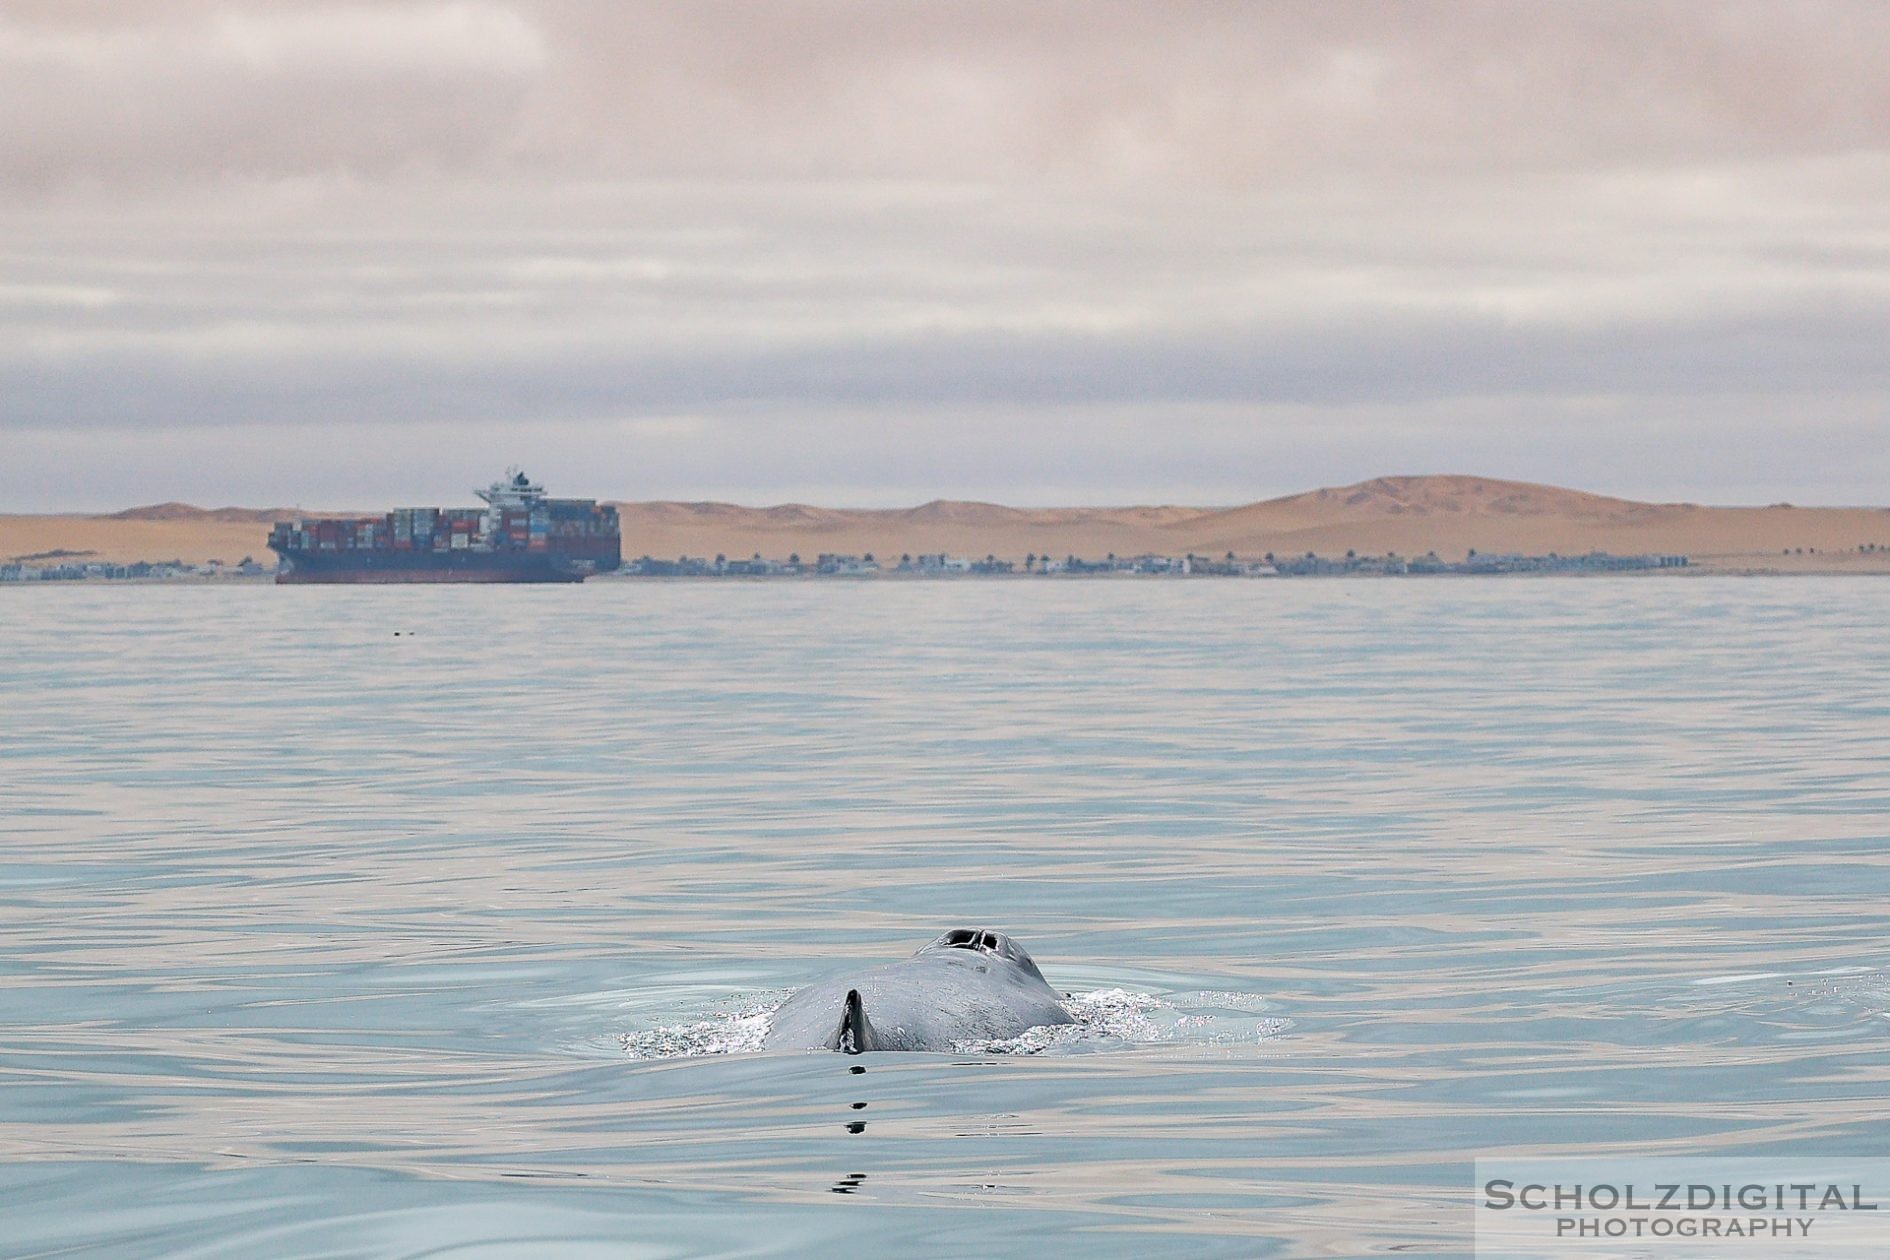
(1380, 482)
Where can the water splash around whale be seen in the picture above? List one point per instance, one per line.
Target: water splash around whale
(1106, 1019)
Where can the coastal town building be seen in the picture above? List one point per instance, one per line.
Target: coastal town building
(944, 565)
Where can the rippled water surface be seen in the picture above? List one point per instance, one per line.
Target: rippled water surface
(404, 922)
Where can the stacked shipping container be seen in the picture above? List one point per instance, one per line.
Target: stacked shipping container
(521, 537)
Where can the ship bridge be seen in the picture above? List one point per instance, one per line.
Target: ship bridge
(514, 490)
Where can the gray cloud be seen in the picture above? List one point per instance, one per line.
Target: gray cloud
(1358, 365)
(876, 250)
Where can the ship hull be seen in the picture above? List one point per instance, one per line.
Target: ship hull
(519, 536)
(396, 568)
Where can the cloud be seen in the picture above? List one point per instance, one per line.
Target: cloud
(163, 96)
(1231, 95)
(737, 236)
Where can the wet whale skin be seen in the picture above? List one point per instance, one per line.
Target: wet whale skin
(969, 985)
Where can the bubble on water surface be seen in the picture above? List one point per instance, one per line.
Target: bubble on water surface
(1111, 1019)
(732, 1032)
(1862, 987)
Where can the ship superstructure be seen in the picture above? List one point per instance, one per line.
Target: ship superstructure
(521, 535)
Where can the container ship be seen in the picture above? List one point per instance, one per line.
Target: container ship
(519, 536)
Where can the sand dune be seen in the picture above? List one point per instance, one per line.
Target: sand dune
(192, 540)
(189, 512)
(1409, 515)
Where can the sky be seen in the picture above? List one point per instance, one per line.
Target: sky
(876, 252)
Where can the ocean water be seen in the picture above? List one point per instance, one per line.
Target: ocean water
(444, 922)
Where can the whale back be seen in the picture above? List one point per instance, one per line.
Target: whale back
(968, 985)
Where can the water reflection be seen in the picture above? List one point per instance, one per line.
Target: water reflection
(320, 939)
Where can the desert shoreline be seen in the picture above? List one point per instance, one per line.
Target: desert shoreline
(1406, 516)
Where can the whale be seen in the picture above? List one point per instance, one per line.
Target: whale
(971, 984)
